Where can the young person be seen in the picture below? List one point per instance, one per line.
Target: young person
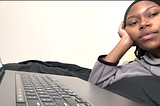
(140, 28)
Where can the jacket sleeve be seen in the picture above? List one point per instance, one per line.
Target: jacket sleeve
(103, 72)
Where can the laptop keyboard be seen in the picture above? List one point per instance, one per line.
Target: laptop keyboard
(43, 90)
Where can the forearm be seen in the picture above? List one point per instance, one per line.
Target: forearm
(120, 49)
(101, 72)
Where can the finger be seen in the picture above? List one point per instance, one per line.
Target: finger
(120, 28)
(122, 24)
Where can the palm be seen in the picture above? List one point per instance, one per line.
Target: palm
(123, 34)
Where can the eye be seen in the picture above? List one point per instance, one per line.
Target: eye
(132, 24)
(152, 15)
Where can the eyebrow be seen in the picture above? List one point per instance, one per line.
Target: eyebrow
(145, 10)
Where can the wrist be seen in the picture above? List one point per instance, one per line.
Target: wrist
(119, 50)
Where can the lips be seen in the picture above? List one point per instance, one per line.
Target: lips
(148, 33)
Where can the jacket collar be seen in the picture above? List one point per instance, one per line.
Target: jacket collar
(151, 59)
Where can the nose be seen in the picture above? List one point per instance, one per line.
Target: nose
(144, 24)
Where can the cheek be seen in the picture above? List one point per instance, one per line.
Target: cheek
(159, 25)
(132, 33)
(156, 22)
(132, 36)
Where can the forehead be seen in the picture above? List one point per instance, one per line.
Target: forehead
(140, 7)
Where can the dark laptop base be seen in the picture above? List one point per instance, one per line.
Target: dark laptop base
(91, 93)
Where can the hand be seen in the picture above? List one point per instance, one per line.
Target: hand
(123, 34)
(122, 46)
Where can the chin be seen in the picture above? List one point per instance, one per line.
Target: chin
(150, 46)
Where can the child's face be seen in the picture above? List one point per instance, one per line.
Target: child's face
(143, 25)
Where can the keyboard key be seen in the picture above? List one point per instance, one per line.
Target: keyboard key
(72, 94)
(48, 88)
(83, 100)
(27, 85)
(51, 91)
(40, 90)
(79, 100)
(34, 103)
(46, 100)
(53, 85)
(42, 93)
(66, 96)
(61, 102)
(49, 104)
(32, 98)
(54, 94)
(56, 97)
(58, 89)
(72, 102)
(87, 104)
(68, 90)
(62, 93)
(44, 96)
(27, 90)
(21, 104)
(30, 93)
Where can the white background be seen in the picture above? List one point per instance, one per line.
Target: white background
(75, 32)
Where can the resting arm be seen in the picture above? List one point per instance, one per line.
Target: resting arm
(102, 74)
(121, 48)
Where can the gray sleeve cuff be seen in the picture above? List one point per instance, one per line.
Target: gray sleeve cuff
(101, 59)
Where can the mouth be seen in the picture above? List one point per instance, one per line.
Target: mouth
(148, 35)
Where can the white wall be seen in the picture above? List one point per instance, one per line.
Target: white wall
(75, 32)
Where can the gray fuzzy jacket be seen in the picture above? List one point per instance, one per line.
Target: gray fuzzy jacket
(105, 73)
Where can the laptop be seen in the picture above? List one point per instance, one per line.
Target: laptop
(36, 89)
